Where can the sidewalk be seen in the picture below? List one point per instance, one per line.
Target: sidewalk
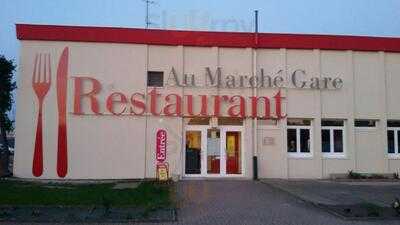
(327, 192)
(203, 202)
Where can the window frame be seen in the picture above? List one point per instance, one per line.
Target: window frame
(298, 153)
(332, 153)
(367, 127)
(396, 154)
(148, 79)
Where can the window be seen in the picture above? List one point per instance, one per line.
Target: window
(332, 138)
(197, 121)
(299, 138)
(393, 136)
(365, 123)
(155, 79)
(267, 122)
(230, 121)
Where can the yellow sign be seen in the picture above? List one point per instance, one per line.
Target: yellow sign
(162, 172)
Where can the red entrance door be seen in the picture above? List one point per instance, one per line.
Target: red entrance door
(233, 152)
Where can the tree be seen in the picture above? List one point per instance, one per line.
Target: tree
(7, 86)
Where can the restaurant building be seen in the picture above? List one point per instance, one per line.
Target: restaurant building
(121, 103)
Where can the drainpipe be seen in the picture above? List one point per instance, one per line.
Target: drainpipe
(254, 93)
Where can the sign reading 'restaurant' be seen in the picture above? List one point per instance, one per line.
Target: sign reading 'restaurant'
(157, 102)
(173, 104)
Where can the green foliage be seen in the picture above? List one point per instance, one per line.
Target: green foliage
(372, 210)
(7, 86)
(355, 175)
(8, 124)
(376, 176)
(148, 195)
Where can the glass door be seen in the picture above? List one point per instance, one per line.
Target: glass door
(233, 152)
(193, 152)
(213, 152)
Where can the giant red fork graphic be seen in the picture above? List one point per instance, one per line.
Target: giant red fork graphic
(41, 81)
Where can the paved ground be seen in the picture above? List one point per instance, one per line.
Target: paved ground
(329, 192)
(248, 202)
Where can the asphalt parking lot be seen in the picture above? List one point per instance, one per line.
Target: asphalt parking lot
(248, 202)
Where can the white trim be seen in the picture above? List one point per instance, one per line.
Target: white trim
(396, 154)
(393, 156)
(298, 153)
(302, 155)
(338, 155)
(242, 149)
(366, 128)
(332, 154)
(200, 128)
(203, 154)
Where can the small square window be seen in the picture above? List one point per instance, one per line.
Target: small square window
(155, 79)
(298, 122)
(365, 123)
(267, 122)
(198, 121)
(332, 123)
(230, 121)
(393, 123)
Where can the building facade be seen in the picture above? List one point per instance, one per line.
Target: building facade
(118, 103)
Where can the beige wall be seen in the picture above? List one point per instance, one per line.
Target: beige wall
(105, 147)
(369, 92)
(370, 154)
(98, 146)
(273, 161)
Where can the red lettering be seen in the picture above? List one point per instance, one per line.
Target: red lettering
(139, 104)
(278, 105)
(203, 111)
(241, 106)
(177, 106)
(78, 95)
(173, 102)
(153, 102)
(254, 107)
(111, 102)
(217, 103)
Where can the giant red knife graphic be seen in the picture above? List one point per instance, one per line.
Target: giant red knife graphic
(62, 153)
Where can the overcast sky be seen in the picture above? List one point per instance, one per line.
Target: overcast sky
(350, 17)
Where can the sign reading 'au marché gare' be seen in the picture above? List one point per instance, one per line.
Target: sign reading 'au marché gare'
(173, 104)
(298, 79)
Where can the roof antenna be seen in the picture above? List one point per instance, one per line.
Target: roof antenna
(256, 27)
(147, 21)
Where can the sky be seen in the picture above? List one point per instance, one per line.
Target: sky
(340, 17)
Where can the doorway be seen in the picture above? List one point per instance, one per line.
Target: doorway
(213, 151)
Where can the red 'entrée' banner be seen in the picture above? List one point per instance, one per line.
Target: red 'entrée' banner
(161, 145)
